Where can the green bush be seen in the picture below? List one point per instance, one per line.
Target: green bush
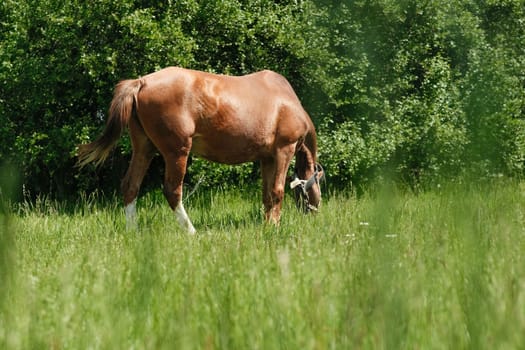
(430, 90)
(426, 89)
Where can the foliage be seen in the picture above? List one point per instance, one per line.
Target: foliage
(428, 89)
(392, 269)
(422, 87)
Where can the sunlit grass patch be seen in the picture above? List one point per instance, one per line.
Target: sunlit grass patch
(389, 268)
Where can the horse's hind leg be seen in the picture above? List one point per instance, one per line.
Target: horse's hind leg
(143, 152)
(274, 177)
(175, 170)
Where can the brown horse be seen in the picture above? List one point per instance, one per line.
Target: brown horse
(225, 119)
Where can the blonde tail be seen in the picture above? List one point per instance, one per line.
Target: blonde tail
(120, 112)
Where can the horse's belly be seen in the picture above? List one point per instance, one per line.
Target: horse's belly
(228, 149)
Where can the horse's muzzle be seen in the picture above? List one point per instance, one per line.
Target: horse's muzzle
(301, 188)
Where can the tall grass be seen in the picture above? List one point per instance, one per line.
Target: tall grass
(390, 269)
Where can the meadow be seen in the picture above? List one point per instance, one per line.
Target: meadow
(390, 268)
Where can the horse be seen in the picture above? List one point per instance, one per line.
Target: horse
(221, 118)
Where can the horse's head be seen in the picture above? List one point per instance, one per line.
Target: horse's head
(307, 190)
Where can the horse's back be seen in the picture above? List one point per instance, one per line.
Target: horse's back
(264, 85)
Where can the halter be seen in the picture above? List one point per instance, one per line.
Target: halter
(301, 187)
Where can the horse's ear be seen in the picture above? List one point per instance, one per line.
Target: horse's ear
(320, 172)
(320, 176)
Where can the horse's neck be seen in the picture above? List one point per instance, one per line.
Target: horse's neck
(304, 161)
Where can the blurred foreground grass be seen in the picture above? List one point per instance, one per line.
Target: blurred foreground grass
(390, 269)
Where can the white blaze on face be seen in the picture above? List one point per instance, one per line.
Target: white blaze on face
(131, 215)
(183, 219)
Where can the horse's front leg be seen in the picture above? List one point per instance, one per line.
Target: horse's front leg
(274, 177)
(270, 196)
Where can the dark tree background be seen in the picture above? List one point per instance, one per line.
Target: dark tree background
(426, 89)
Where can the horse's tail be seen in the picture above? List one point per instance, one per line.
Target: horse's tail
(120, 112)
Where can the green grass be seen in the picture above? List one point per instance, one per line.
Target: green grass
(442, 269)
